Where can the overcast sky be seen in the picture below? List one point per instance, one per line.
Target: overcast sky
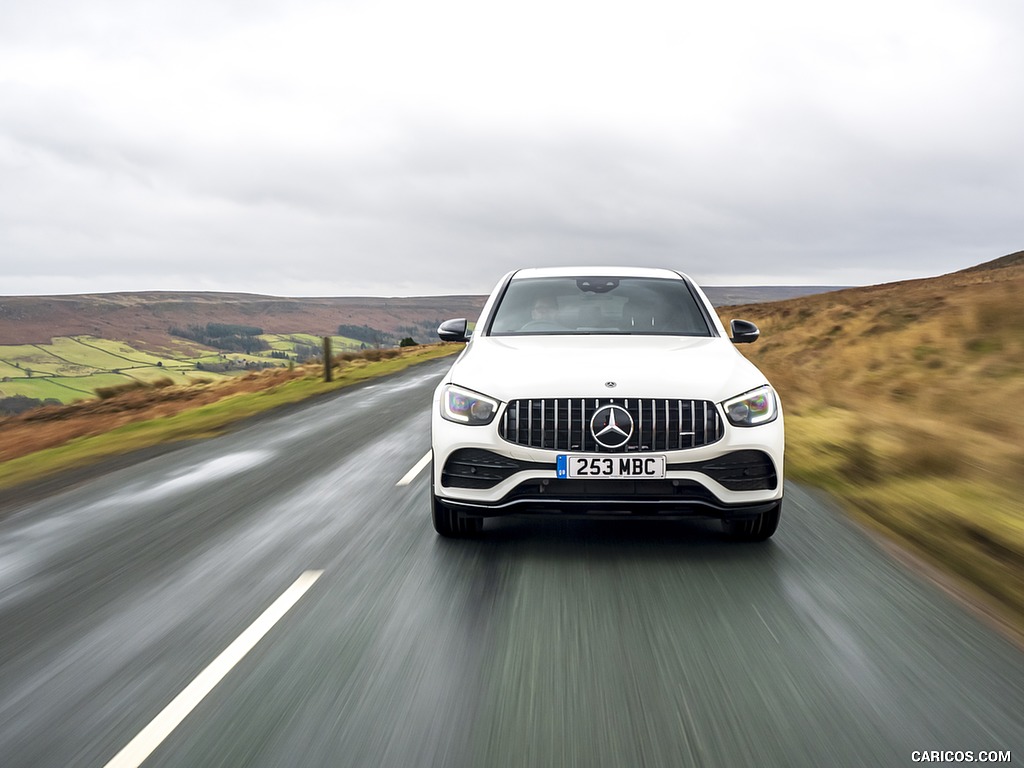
(400, 147)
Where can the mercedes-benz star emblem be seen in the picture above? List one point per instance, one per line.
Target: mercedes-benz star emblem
(611, 426)
(610, 384)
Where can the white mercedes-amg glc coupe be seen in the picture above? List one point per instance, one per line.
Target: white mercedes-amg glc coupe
(604, 392)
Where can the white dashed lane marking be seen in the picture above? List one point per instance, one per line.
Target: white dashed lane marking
(411, 474)
(150, 737)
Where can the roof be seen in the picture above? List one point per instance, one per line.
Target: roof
(665, 274)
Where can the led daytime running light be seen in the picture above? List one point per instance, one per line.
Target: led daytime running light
(753, 408)
(465, 407)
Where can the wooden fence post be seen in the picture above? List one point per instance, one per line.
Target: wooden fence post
(328, 361)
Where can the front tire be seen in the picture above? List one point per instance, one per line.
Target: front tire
(449, 522)
(760, 528)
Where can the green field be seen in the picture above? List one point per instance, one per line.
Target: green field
(79, 352)
(47, 387)
(6, 370)
(70, 368)
(121, 351)
(32, 359)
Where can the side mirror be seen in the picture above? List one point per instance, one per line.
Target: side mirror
(453, 330)
(743, 332)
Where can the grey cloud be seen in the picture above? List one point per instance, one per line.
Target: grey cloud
(451, 212)
(792, 187)
(124, 24)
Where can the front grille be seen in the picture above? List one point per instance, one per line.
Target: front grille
(563, 424)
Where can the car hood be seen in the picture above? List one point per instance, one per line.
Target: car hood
(508, 368)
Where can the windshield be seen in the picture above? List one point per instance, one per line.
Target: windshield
(598, 305)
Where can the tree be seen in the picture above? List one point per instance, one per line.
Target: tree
(408, 341)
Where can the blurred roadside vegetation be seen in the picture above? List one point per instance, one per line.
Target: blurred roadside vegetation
(137, 415)
(904, 401)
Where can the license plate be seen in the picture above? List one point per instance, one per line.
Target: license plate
(578, 465)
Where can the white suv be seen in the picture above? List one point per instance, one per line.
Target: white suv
(604, 392)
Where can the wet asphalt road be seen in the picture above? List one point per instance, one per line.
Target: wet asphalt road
(564, 643)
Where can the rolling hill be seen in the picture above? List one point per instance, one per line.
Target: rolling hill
(144, 319)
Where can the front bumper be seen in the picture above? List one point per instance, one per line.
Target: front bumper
(737, 477)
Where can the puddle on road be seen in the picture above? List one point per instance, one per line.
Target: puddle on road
(195, 475)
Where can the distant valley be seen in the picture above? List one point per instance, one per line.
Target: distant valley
(58, 349)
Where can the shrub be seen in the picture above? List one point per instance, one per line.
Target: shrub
(860, 461)
(105, 393)
(923, 455)
(983, 346)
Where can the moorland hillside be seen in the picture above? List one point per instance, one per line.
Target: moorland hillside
(903, 400)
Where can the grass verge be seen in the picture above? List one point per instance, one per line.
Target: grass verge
(942, 502)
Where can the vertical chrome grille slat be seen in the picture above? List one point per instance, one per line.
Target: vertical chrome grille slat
(568, 425)
(640, 423)
(554, 437)
(583, 424)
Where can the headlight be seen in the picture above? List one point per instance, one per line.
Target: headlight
(756, 407)
(465, 407)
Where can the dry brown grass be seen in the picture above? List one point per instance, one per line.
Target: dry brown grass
(107, 393)
(904, 400)
(367, 354)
